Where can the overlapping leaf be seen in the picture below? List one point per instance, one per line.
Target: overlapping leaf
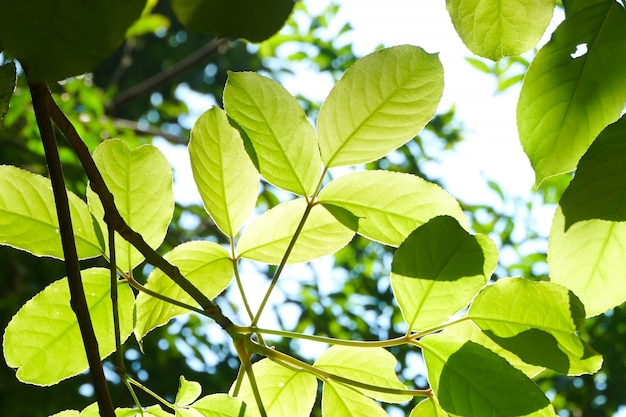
(379, 104)
(7, 85)
(470, 380)
(373, 366)
(537, 321)
(43, 340)
(284, 392)
(226, 178)
(567, 99)
(438, 269)
(588, 236)
(342, 401)
(188, 391)
(205, 264)
(496, 28)
(141, 183)
(428, 408)
(408, 201)
(219, 405)
(28, 217)
(266, 239)
(284, 140)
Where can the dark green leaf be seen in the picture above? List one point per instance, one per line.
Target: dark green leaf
(7, 86)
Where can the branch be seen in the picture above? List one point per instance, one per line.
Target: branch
(40, 94)
(150, 131)
(155, 82)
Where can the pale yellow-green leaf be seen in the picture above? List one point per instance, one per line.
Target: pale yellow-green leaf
(428, 408)
(341, 401)
(220, 405)
(188, 391)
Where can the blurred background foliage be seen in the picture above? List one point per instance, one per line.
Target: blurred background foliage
(143, 91)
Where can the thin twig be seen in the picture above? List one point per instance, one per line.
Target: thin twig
(150, 131)
(40, 94)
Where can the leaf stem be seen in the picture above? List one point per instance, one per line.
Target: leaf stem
(152, 393)
(238, 280)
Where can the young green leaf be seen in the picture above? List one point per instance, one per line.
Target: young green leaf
(284, 392)
(438, 269)
(573, 89)
(379, 104)
(374, 366)
(389, 217)
(220, 405)
(226, 178)
(266, 239)
(43, 340)
(29, 217)
(152, 411)
(8, 79)
(588, 231)
(495, 28)
(470, 380)
(283, 139)
(339, 400)
(141, 182)
(188, 391)
(205, 264)
(536, 321)
(428, 408)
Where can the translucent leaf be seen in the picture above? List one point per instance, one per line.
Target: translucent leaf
(141, 182)
(226, 178)
(573, 89)
(28, 216)
(284, 392)
(374, 366)
(438, 269)
(152, 411)
(379, 104)
(537, 321)
(8, 79)
(267, 237)
(588, 236)
(428, 408)
(220, 405)
(205, 264)
(341, 401)
(43, 340)
(496, 28)
(188, 391)
(284, 140)
(389, 217)
(262, 18)
(67, 413)
(470, 380)
(59, 39)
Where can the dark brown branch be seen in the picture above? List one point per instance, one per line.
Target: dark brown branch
(155, 82)
(40, 94)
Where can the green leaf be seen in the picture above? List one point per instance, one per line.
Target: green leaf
(254, 20)
(408, 201)
(379, 104)
(220, 405)
(59, 39)
(141, 183)
(205, 264)
(152, 411)
(566, 100)
(43, 340)
(428, 408)
(438, 269)
(341, 401)
(29, 219)
(537, 321)
(188, 391)
(67, 413)
(588, 232)
(470, 380)
(284, 392)
(284, 140)
(226, 178)
(496, 28)
(8, 78)
(266, 239)
(374, 366)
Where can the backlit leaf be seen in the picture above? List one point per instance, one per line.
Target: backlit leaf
(407, 202)
(496, 28)
(266, 239)
(470, 380)
(428, 408)
(226, 178)
(283, 139)
(28, 216)
(588, 236)
(141, 183)
(438, 269)
(284, 392)
(374, 366)
(188, 391)
(537, 321)
(573, 89)
(43, 340)
(341, 401)
(205, 264)
(379, 104)
(220, 405)
(7, 86)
